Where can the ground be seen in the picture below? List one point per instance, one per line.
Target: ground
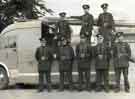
(31, 93)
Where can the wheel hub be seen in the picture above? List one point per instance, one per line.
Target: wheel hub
(1, 76)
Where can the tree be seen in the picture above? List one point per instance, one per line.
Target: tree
(30, 9)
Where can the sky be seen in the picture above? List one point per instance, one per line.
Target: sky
(121, 9)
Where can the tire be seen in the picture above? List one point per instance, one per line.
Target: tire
(3, 78)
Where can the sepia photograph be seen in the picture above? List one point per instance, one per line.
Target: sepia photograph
(67, 49)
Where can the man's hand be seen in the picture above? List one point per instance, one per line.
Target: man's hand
(54, 56)
(55, 38)
(105, 24)
(100, 56)
(87, 33)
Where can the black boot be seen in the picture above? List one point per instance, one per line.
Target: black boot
(80, 81)
(71, 87)
(127, 90)
(88, 87)
(70, 80)
(61, 87)
(127, 86)
(117, 89)
(80, 88)
(49, 88)
(107, 89)
(40, 89)
(88, 84)
(48, 78)
(41, 82)
(98, 89)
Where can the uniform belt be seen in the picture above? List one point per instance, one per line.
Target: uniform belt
(65, 58)
(120, 55)
(44, 58)
(83, 57)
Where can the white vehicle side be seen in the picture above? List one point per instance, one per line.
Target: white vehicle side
(18, 43)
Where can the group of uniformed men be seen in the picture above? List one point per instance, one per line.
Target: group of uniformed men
(109, 46)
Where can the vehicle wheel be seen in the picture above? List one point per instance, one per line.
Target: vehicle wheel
(3, 78)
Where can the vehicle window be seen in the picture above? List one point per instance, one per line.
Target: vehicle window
(8, 42)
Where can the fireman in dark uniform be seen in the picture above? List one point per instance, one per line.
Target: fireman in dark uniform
(44, 57)
(63, 28)
(83, 54)
(121, 60)
(101, 64)
(87, 22)
(65, 57)
(106, 23)
(45, 32)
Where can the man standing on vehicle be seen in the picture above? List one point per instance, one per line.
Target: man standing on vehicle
(121, 60)
(83, 54)
(66, 58)
(106, 23)
(47, 32)
(87, 22)
(101, 64)
(44, 57)
(63, 28)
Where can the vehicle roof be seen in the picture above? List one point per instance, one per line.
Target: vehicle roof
(22, 25)
(129, 26)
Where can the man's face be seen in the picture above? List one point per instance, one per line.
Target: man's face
(121, 38)
(43, 43)
(86, 10)
(62, 17)
(100, 39)
(116, 40)
(105, 10)
(64, 42)
(82, 40)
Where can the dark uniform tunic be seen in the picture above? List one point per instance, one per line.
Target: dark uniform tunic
(44, 57)
(122, 55)
(2, 23)
(121, 62)
(63, 30)
(87, 24)
(45, 33)
(101, 62)
(106, 25)
(66, 56)
(83, 53)
(101, 65)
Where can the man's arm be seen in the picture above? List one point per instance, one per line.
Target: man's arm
(69, 29)
(92, 19)
(112, 22)
(128, 50)
(129, 54)
(56, 27)
(76, 17)
(77, 51)
(37, 54)
(89, 51)
(99, 20)
(72, 53)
